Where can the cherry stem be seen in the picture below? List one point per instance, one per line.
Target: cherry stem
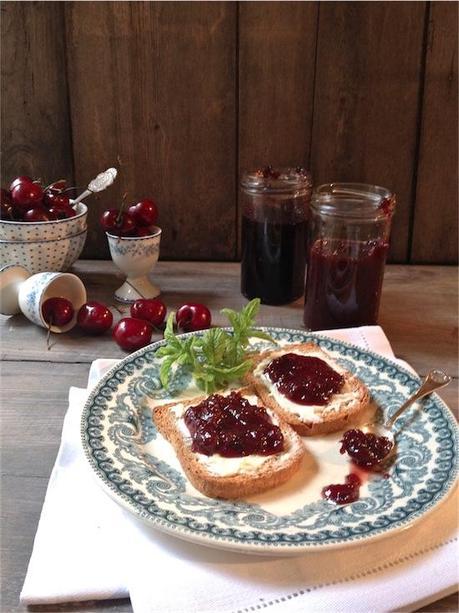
(123, 204)
(68, 189)
(48, 335)
(58, 181)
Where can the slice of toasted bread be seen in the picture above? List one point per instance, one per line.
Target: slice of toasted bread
(221, 477)
(342, 408)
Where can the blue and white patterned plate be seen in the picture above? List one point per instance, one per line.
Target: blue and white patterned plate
(139, 469)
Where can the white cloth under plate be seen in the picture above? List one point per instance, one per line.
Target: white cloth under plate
(88, 548)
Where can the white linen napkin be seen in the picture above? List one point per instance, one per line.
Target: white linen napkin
(88, 548)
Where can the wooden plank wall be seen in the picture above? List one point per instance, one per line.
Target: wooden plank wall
(183, 96)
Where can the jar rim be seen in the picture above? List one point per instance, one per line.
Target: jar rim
(353, 201)
(279, 180)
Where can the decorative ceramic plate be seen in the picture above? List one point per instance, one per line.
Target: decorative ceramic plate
(140, 470)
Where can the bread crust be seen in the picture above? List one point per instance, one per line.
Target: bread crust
(277, 469)
(332, 421)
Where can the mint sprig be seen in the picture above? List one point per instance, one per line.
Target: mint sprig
(217, 357)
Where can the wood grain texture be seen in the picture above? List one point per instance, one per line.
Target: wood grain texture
(154, 85)
(35, 134)
(368, 78)
(277, 42)
(435, 232)
(411, 315)
(32, 414)
(276, 45)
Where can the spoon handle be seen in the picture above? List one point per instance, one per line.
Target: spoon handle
(434, 380)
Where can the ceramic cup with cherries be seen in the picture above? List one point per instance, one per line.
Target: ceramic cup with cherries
(133, 239)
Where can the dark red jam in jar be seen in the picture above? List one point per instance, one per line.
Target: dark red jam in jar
(344, 282)
(343, 493)
(365, 448)
(275, 205)
(349, 229)
(232, 427)
(304, 379)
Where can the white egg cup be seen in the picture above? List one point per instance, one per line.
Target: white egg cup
(21, 292)
(136, 257)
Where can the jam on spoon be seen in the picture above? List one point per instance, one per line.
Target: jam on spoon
(232, 427)
(367, 451)
(365, 448)
(304, 379)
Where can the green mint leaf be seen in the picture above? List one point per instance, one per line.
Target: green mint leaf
(215, 357)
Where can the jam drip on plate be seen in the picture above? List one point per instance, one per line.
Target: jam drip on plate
(342, 493)
(232, 427)
(367, 451)
(304, 379)
(365, 448)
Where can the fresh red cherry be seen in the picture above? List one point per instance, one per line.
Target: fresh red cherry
(6, 208)
(132, 334)
(140, 232)
(26, 195)
(119, 224)
(6, 211)
(149, 309)
(94, 318)
(193, 316)
(52, 197)
(57, 311)
(19, 180)
(61, 211)
(39, 213)
(144, 213)
(126, 226)
(108, 220)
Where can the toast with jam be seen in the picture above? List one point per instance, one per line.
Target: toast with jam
(308, 389)
(230, 445)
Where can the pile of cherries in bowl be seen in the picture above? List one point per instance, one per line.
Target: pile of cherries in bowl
(40, 227)
(130, 333)
(27, 200)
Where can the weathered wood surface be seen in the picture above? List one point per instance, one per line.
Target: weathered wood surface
(277, 42)
(162, 101)
(418, 314)
(188, 94)
(435, 221)
(35, 134)
(366, 100)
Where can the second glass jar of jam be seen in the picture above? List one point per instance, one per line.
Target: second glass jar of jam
(275, 205)
(348, 241)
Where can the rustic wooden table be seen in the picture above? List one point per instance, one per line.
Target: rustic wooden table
(418, 314)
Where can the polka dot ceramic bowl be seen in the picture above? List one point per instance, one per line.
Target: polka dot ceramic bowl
(44, 255)
(45, 230)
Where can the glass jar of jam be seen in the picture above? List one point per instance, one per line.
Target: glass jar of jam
(348, 241)
(275, 205)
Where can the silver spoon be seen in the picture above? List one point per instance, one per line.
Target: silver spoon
(101, 182)
(433, 381)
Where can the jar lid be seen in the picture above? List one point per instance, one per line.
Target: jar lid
(353, 201)
(277, 180)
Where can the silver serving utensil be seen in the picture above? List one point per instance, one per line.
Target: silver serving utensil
(101, 182)
(435, 380)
